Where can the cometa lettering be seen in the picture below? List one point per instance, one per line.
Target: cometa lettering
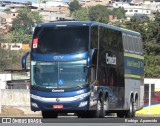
(57, 90)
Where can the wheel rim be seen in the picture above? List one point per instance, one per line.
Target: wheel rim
(131, 109)
(105, 105)
(99, 106)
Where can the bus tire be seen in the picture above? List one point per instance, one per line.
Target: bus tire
(49, 114)
(105, 104)
(121, 114)
(136, 104)
(131, 112)
(99, 112)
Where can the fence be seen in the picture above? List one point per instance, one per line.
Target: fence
(16, 98)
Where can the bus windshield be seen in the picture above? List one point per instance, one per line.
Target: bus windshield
(59, 74)
(60, 40)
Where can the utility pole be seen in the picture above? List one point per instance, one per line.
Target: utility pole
(38, 2)
(149, 102)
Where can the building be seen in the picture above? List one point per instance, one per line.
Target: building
(4, 77)
(48, 5)
(132, 9)
(155, 83)
(135, 9)
(151, 97)
(53, 10)
(10, 12)
(152, 5)
(88, 3)
(52, 15)
(50, 10)
(3, 22)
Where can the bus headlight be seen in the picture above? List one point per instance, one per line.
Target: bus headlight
(84, 103)
(35, 97)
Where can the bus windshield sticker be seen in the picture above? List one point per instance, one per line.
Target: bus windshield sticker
(61, 81)
(35, 43)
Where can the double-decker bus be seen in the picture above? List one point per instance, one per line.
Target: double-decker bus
(84, 67)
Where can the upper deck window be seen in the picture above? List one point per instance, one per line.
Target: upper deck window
(132, 44)
(60, 40)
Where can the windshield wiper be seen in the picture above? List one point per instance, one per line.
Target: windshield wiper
(35, 87)
(79, 86)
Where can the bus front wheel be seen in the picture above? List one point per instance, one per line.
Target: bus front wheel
(131, 112)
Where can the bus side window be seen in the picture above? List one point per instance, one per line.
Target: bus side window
(93, 74)
(124, 44)
(136, 43)
(131, 46)
(141, 46)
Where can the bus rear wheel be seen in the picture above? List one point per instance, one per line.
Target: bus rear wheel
(131, 112)
(49, 114)
(100, 109)
(121, 114)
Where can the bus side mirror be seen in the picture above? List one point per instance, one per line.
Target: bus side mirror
(24, 58)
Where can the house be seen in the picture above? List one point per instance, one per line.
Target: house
(88, 3)
(52, 15)
(146, 8)
(151, 97)
(3, 22)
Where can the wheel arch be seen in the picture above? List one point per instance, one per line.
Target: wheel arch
(100, 93)
(135, 96)
(131, 96)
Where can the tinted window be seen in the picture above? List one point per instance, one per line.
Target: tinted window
(110, 39)
(125, 42)
(94, 37)
(60, 40)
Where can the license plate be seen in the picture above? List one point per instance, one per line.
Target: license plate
(57, 106)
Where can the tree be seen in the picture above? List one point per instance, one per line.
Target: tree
(22, 26)
(10, 59)
(26, 19)
(81, 14)
(99, 13)
(19, 36)
(119, 12)
(74, 5)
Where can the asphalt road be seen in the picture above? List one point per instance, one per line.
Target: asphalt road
(103, 120)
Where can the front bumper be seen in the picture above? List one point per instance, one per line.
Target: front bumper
(79, 102)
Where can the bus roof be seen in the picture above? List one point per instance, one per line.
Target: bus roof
(86, 23)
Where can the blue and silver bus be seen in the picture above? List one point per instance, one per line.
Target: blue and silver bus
(84, 67)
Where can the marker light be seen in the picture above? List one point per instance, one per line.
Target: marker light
(35, 43)
(34, 104)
